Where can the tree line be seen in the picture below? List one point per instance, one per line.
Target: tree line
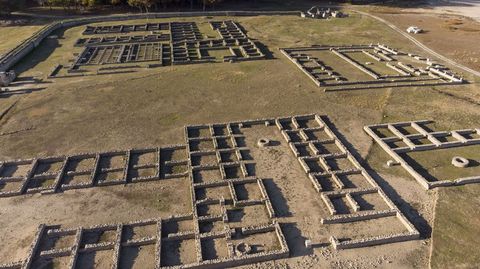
(142, 5)
(6, 6)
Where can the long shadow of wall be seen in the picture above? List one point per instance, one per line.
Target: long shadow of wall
(410, 212)
(7, 94)
(40, 53)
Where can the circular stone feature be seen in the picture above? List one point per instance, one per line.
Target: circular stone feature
(263, 142)
(243, 249)
(460, 162)
(391, 163)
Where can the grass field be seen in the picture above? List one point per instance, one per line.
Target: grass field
(151, 106)
(436, 165)
(193, 93)
(13, 35)
(456, 223)
(441, 31)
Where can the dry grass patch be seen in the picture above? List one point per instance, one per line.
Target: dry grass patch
(456, 226)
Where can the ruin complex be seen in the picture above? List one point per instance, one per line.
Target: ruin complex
(233, 219)
(336, 68)
(163, 44)
(317, 12)
(7, 77)
(402, 138)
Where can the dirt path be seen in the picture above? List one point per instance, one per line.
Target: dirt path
(418, 43)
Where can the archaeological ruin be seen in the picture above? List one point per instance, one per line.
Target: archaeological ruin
(60, 173)
(163, 44)
(7, 77)
(317, 12)
(180, 139)
(356, 67)
(403, 139)
(234, 219)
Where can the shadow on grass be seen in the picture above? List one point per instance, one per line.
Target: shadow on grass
(263, 48)
(473, 163)
(410, 212)
(19, 92)
(419, 168)
(40, 53)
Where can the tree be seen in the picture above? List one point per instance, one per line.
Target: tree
(210, 3)
(135, 3)
(59, 3)
(7, 6)
(148, 4)
(165, 3)
(91, 3)
(141, 3)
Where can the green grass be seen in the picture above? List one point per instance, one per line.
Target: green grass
(106, 237)
(219, 54)
(456, 226)
(47, 183)
(436, 164)
(178, 169)
(13, 35)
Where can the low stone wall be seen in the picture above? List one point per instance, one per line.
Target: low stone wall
(372, 241)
